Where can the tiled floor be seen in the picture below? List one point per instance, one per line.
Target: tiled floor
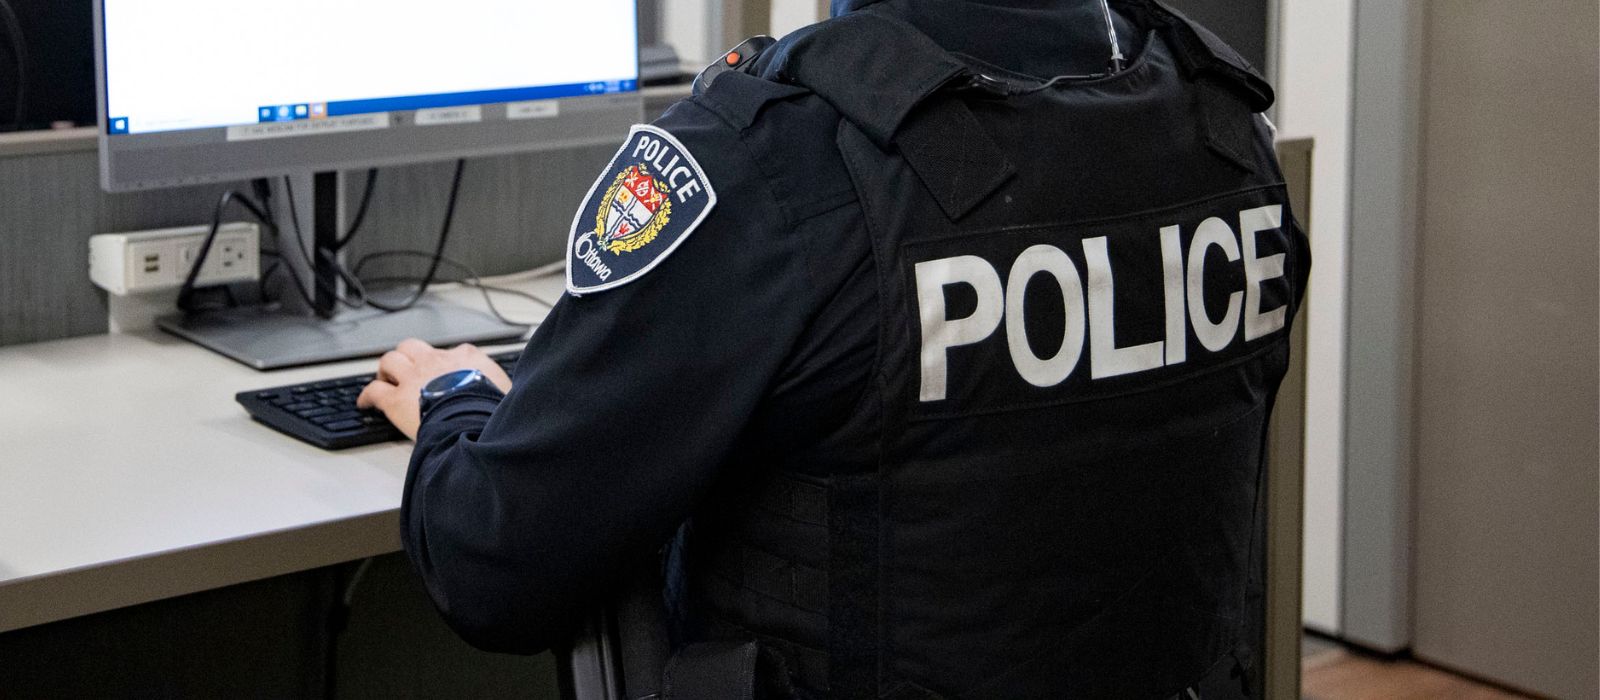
(1329, 672)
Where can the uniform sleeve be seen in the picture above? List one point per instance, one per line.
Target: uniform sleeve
(518, 516)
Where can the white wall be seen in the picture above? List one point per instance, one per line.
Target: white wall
(686, 25)
(789, 15)
(1314, 81)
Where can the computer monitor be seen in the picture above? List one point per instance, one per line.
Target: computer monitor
(201, 91)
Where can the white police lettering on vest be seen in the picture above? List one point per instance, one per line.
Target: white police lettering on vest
(1087, 300)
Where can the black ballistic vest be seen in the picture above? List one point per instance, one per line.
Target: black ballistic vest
(1085, 292)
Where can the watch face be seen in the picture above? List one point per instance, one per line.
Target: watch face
(446, 383)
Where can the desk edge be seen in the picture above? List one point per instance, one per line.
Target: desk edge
(54, 597)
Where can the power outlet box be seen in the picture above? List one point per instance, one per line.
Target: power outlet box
(147, 261)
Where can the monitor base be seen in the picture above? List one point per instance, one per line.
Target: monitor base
(269, 338)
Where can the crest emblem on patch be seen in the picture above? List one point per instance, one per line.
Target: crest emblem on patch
(633, 211)
(646, 203)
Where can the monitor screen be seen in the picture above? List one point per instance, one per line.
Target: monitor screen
(191, 88)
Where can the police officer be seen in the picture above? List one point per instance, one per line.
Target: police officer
(951, 330)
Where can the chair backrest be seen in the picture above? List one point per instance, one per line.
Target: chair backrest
(621, 652)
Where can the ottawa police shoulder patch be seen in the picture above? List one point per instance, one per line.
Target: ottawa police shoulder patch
(645, 204)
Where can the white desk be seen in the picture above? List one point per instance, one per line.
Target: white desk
(129, 474)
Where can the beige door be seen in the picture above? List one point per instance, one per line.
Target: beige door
(1506, 570)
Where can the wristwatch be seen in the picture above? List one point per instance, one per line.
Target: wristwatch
(461, 381)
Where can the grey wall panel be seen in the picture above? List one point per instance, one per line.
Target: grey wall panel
(1506, 550)
(37, 255)
(50, 204)
(1376, 576)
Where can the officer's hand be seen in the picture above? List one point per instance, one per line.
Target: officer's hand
(403, 372)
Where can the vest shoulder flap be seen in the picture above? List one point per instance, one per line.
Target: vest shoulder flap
(887, 80)
(1200, 52)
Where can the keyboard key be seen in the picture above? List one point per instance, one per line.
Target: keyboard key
(337, 417)
(267, 395)
(314, 412)
(343, 425)
(297, 407)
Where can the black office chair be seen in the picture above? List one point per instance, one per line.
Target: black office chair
(622, 651)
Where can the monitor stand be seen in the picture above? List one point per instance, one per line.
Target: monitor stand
(280, 336)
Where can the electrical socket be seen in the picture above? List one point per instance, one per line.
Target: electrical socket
(147, 261)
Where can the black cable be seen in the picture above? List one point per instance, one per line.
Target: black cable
(266, 275)
(186, 292)
(263, 213)
(361, 210)
(470, 278)
(294, 221)
(360, 299)
(19, 48)
(438, 252)
(483, 289)
(263, 189)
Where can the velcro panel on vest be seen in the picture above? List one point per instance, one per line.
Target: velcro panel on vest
(1233, 92)
(1229, 126)
(873, 69)
(1199, 52)
(853, 605)
(956, 159)
(765, 574)
(782, 581)
(712, 670)
(884, 76)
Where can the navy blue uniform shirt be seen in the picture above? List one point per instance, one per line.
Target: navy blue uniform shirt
(752, 343)
(629, 402)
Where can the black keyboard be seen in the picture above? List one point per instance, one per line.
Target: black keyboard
(324, 413)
